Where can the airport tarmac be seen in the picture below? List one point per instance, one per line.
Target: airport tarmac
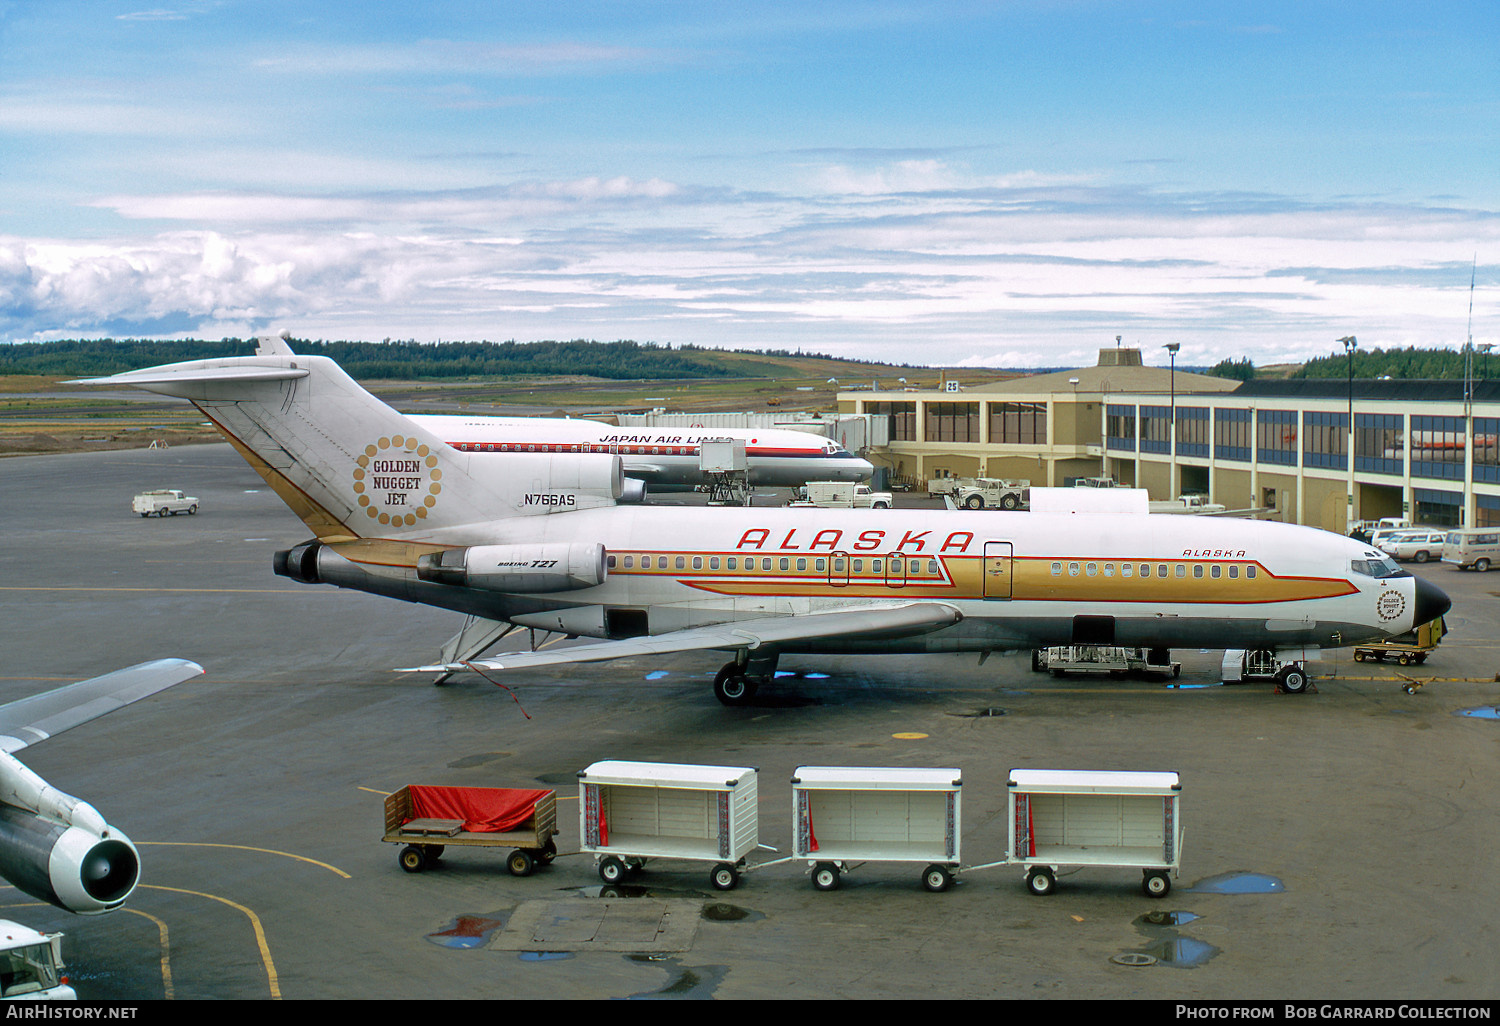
(1339, 844)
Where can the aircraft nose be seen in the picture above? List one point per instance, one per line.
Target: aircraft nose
(1431, 602)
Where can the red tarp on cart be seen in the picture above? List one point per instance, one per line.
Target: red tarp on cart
(484, 810)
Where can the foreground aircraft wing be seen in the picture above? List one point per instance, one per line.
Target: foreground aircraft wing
(874, 622)
(29, 720)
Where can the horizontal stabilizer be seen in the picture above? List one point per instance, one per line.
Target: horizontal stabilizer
(180, 373)
(29, 720)
(874, 622)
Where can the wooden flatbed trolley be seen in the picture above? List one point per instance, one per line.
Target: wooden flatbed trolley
(427, 819)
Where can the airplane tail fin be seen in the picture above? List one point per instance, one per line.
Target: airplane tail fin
(352, 467)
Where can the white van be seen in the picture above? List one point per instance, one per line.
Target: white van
(1420, 544)
(1475, 547)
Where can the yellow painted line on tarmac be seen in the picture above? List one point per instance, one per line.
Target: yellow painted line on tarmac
(245, 847)
(272, 980)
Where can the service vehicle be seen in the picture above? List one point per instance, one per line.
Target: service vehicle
(1476, 548)
(991, 493)
(31, 965)
(1418, 544)
(1114, 660)
(1364, 529)
(428, 818)
(1406, 649)
(1242, 665)
(841, 495)
(1187, 504)
(164, 501)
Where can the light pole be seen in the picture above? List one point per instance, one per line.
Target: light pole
(1350, 342)
(1171, 348)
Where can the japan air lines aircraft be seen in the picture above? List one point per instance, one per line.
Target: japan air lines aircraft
(538, 540)
(663, 458)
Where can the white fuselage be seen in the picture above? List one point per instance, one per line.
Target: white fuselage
(777, 457)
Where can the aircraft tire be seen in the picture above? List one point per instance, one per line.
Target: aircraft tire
(731, 687)
(1293, 680)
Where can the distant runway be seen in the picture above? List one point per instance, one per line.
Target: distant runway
(1338, 845)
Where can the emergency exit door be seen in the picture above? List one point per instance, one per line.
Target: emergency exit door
(997, 570)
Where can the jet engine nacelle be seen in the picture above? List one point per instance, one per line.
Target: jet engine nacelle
(545, 483)
(528, 569)
(59, 849)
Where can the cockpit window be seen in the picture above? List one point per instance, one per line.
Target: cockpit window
(1377, 566)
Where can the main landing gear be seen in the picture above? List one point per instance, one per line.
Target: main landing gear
(736, 683)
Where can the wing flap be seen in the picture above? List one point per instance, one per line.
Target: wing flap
(871, 622)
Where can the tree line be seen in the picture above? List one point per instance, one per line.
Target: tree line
(408, 359)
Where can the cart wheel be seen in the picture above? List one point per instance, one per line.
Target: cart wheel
(1404, 659)
(1041, 882)
(1359, 656)
(936, 878)
(520, 863)
(825, 876)
(1156, 885)
(724, 877)
(611, 870)
(413, 858)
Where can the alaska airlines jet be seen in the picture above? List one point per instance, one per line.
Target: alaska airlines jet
(664, 458)
(538, 540)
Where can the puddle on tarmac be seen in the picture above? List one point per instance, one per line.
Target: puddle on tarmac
(1483, 712)
(1168, 947)
(723, 912)
(1194, 687)
(695, 984)
(798, 674)
(1238, 883)
(467, 931)
(1181, 952)
(1158, 918)
(657, 674)
(545, 956)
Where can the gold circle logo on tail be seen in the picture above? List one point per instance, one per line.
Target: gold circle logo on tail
(1390, 605)
(397, 481)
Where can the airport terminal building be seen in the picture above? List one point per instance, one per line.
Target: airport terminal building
(1280, 446)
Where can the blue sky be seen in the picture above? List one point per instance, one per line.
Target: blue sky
(987, 184)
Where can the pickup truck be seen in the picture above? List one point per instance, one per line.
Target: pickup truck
(840, 495)
(163, 501)
(31, 965)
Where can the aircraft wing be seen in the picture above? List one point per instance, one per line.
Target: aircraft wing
(872, 622)
(29, 720)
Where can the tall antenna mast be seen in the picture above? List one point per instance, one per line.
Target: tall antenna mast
(1469, 346)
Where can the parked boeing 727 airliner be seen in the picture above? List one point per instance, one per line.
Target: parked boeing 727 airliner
(538, 540)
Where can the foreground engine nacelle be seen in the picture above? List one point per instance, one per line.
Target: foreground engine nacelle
(527, 569)
(59, 849)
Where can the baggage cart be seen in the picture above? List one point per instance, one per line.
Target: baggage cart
(1078, 818)
(630, 812)
(846, 815)
(1406, 649)
(427, 819)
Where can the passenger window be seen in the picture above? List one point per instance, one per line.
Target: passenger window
(1197, 569)
(1072, 569)
(1215, 571)
(801, 564)
(859, 566)
(645, 562)
(819, 565)
(611, 562)
(681, 562)
(1056, 569)
(697, 562)
(1234, 571)
(1091, 569)
(786, 564)
(1181, 570)
(628, 561)
(1250, 571)
(1161, 569)
(875, 566)
(1125, 569)
(713, 562)
(1109, 569)
(765, 564)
